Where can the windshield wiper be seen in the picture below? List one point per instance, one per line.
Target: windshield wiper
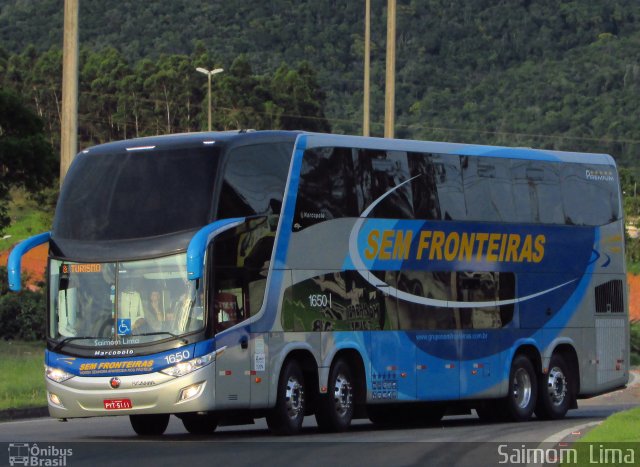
(159, 333)
(66, 340)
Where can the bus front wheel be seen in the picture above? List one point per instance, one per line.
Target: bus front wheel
(149, 425)
(555, 394)
(287, 416)
(335, 409)
(523, 390)
(200, 424)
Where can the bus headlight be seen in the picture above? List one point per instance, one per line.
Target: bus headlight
(56, 374)
(184, 368)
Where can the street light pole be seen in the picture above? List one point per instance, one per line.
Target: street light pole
(209, 74)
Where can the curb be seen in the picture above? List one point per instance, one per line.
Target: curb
(16, 414)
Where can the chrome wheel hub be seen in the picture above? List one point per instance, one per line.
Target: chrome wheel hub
(342, 395)
(522, 388)
(294, 396)
(557, 386)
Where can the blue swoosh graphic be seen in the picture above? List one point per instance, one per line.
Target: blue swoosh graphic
(359, 266)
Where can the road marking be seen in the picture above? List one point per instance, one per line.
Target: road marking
(559, 436)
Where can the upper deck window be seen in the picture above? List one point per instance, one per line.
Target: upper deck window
(136, 194)
(254, 180)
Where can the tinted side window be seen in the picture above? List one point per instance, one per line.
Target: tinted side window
(254, 180)
(448, 180)
(326, 188)
(537, 192)
(590, 194)
(487, 189)
(378, 173)
(346, 182)
(488, 287)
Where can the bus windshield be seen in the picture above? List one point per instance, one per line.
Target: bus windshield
(132, 302)
(126, 195)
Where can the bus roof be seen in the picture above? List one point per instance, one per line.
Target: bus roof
(194, 139)
(322, 139)
(319, 139)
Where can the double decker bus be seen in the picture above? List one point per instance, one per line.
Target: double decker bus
(223, 277)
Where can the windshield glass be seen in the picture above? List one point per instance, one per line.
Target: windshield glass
(136, 194)
(133, 302)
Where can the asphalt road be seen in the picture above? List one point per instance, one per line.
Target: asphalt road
(459, 440)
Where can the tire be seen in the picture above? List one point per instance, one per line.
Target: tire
(523, 390)
(555, 393)
(287, 416)
(335, 409)
(200, 424)
(149, 425)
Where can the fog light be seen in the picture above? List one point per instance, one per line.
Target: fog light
(191, 392)
(55, 400)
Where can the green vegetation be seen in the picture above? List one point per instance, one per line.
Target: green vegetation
(26, 157)
(22, 314)
(523, 73)
(28, 217)
(621, 427)
(614, 442)
(22, 382)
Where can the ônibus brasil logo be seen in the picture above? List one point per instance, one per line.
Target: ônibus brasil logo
(32, 455)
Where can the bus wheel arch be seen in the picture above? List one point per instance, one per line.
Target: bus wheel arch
(295, 393)
(559, 385)
(346, 392)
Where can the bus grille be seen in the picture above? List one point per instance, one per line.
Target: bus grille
(609, 297)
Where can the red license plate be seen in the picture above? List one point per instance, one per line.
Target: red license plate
(117, 404)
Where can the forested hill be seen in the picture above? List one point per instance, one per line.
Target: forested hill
(543, 73)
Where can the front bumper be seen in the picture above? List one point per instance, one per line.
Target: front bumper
(84, 396)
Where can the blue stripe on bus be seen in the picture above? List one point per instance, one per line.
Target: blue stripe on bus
(265, 323)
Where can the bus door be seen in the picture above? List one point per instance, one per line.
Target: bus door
(239, 272)
(233, 364)
(392, 353)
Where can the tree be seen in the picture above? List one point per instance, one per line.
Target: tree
(301, 99)
(26, 157)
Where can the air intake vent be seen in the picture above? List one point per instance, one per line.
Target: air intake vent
(609, 297)
(233, 397)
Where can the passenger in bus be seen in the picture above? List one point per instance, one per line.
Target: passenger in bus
(226, 309)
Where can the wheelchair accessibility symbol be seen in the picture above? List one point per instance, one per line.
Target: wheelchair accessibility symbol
(124, 327)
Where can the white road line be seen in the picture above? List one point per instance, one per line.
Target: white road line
(559, 436)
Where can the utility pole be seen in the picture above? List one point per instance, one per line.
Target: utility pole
(367, 68)
(390, 87)
(69, 123)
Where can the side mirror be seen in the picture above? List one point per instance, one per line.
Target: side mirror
(200, 241)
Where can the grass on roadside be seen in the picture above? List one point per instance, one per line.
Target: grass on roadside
(621, 427)
(613, 442)
(26, 220)
(22, 382)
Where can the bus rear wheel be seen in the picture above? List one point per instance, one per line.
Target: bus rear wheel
(555, 394)
(287, 416)
(335, 409)
(200, 424)
(523, 390)
(149, 425)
